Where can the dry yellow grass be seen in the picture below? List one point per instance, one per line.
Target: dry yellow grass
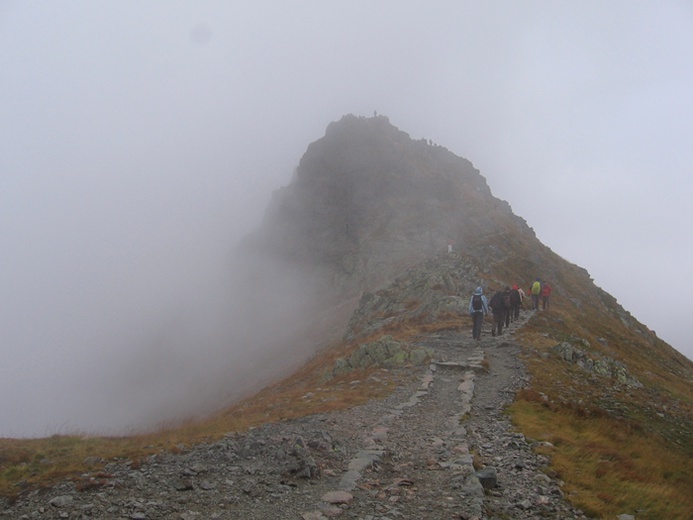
(610, 466)
(619, 449)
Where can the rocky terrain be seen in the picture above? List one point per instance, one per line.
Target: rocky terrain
(370, 248)
(439, 447)
(367, 202)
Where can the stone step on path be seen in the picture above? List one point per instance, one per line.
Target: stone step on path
(466, 359)
(453, 371)
(453, 433)
(415, 458)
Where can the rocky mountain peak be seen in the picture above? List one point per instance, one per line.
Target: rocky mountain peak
(367, 201)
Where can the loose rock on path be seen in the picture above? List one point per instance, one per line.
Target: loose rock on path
(409, 456)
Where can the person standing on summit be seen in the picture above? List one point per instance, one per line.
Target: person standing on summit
(478, 308)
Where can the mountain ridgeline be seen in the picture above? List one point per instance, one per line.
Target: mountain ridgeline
(363, 231)
(367, 203)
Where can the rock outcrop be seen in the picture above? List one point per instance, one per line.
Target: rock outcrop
(367, 202)
(597, 364)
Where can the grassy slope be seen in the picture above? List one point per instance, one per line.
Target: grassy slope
(620, 449)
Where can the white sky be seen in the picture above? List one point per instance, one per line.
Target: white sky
(140, 140)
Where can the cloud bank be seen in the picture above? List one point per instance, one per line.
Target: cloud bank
(142, 141)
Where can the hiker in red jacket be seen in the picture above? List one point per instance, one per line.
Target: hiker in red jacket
(545, 295)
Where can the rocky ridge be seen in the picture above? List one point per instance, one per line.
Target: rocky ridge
(367, 202)
(438, 447)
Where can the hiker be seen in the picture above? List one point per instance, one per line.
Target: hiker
(498, 311)
(545, 295)
(523, 295)
(507, 304)
(516, 295)
(535, 291)
(478, 308)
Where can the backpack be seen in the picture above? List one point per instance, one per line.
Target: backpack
(536, 288)
(515, 297)
(506, 299)
(477, 303)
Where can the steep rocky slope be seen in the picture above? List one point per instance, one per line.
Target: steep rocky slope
(367, 201)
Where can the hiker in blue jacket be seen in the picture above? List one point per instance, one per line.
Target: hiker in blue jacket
(478, 308)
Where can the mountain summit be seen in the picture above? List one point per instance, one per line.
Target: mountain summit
(367, 201)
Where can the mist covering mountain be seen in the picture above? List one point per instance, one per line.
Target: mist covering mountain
(365, 204)
(372, 249)
(367, 201)
(362, 230)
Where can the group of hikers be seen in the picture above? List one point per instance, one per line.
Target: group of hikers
(505, 305)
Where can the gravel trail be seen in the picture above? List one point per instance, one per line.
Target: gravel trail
(409, 456)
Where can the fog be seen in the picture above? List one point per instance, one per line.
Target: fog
(141, 141)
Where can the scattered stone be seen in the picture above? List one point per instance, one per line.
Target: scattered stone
(313, 515)
(337, 497)
(487, 477)
(61, 501)
(183, 484)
